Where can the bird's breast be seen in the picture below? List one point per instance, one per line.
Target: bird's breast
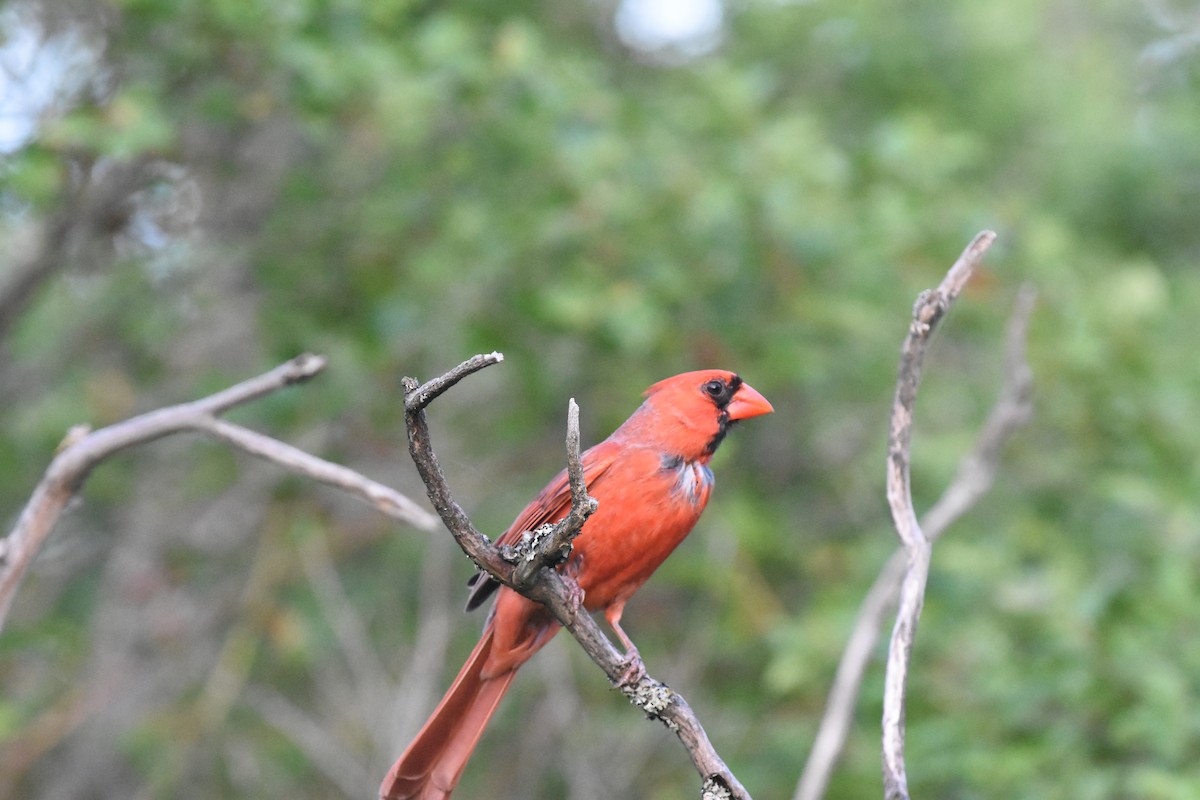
(647, 505)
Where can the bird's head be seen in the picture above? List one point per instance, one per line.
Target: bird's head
(690, 413)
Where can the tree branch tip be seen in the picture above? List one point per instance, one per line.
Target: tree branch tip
(417, 398)
(305, 366)
(980, 243)
(961, 271)
(983, 239)
(975, 251)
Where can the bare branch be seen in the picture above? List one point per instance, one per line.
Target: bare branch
(582, 505)
(930, 308)
(974, 477)
(839, 707)
(473, 542)
(559, 593)
(82, 451)
(550, 545)
(384, 498)
(417, 399)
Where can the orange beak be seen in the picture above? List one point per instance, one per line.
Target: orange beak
(746, 403)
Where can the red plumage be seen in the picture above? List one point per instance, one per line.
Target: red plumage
(652, 481)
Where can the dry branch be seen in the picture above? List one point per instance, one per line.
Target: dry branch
(974, 477)
(83, 450)
(559, 593)
(929, 310)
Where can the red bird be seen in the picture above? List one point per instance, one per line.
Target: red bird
(652, 481)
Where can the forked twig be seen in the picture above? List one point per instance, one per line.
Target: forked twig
(82, 450)
(974, 477)
(929, 310)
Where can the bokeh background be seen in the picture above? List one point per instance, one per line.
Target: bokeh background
(192, 191)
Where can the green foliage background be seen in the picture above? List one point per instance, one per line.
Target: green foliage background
(399, 185)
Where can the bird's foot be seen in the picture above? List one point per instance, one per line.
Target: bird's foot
(575, 596)
(632, 668)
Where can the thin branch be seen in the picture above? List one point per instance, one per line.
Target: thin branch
(473, 542)
(929, 310)
(83, 450)
(559, 593)
(417, 399)
(973, 479)
(582, 505)
(550, 545)
(839, 707)
(384, 498)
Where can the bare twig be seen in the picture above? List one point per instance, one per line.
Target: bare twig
(384, 498)
(82, 451)
(582, 505)
(974, 477)
(839, 707)
(551, 544)
(420, 397)
(558, 592)
(930, 308)
(473, 542)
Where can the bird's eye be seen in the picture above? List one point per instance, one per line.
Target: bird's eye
(714, 388)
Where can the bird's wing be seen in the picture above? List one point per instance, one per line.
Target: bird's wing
(551, 505)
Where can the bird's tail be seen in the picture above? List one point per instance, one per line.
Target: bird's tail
(432, 764)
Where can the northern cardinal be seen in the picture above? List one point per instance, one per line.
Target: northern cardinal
(652, 481)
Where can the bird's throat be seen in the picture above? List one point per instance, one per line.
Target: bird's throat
(693, 480)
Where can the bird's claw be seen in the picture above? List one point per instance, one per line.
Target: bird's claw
(633, 669)
(574, 597)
